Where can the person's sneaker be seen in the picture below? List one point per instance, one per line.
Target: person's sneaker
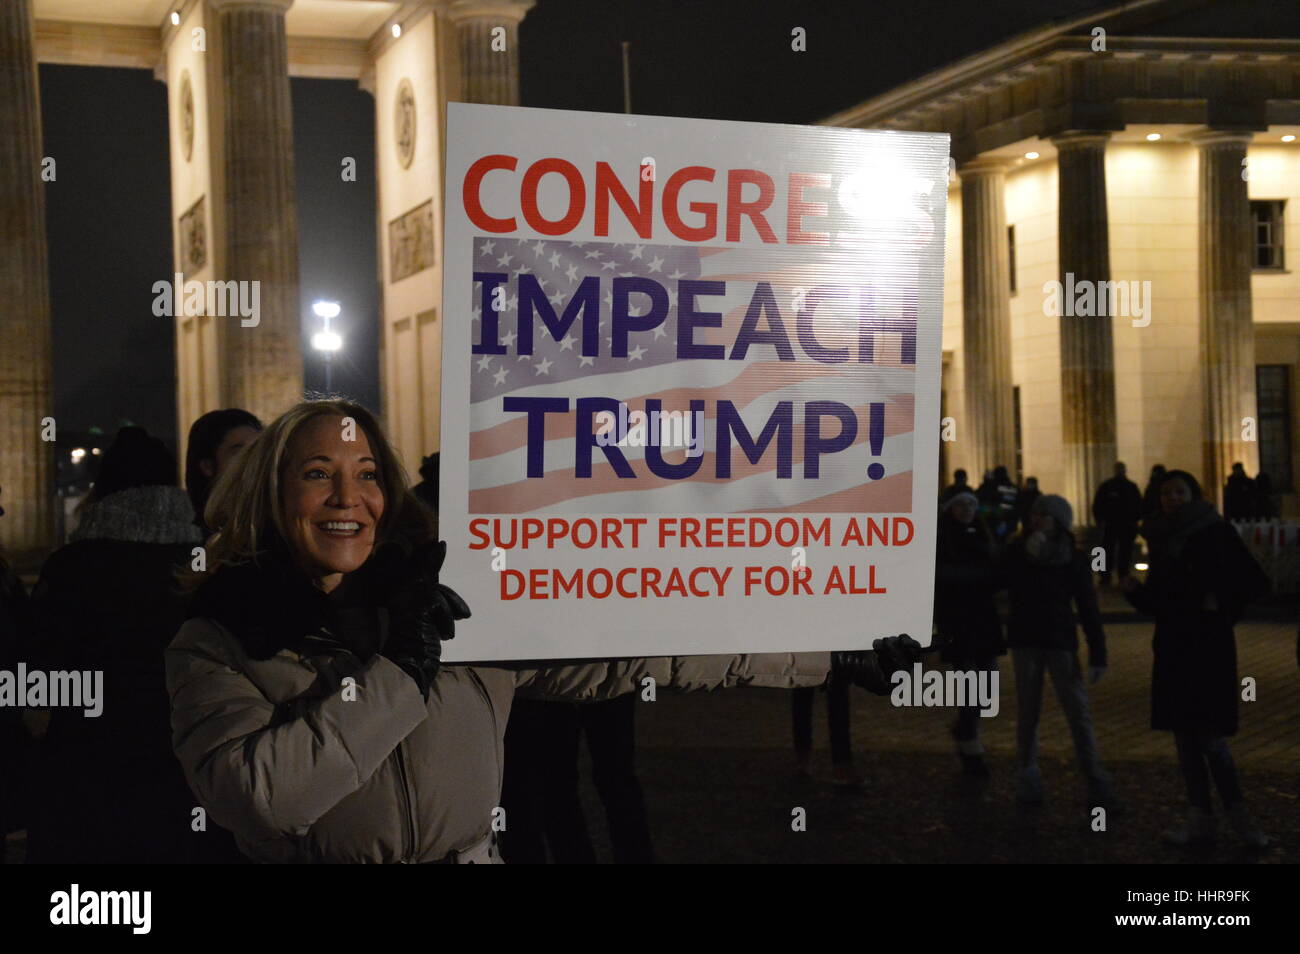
(1197, 830)
(1243, 823)
(849, 779)
(1029, 787)
(973, 765)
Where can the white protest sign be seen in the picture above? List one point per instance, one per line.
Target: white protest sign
(690, 383)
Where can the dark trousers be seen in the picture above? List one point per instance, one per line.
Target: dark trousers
(1117, 539)
(540, 792)
(1201, 756)
(837, 711)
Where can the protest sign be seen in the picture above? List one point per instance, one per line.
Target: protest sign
(690, 383)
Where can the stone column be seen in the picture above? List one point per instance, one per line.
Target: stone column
(489, 61)
(986, 319)
(26, 475)
(1087, 351)
(262, 364)
(1227, 334)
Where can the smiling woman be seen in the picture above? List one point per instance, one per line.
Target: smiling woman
(310, 709)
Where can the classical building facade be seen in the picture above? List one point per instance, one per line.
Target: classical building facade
(227, 65)
(1152, 146)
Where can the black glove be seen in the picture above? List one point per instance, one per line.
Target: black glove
(872, 670)
(421, 614)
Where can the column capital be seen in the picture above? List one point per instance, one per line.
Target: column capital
(459, 10)
(1209, 138)
(984, 166)
(281, 6)
(1080, 139)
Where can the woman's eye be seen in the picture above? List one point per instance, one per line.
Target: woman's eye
(315, 473)
(370, 475)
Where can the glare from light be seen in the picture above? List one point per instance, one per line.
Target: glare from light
(1139, 566)
(1288, 138)
(77, 454)
(326, 341)
(95, 451)
(397, 30)
(325, 309)
(1153, 137)
(176, 18)
(1031, 155)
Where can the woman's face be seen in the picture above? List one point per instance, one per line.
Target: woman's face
(963, 511)
(1174, 494)
(236, 439)
(331, 499)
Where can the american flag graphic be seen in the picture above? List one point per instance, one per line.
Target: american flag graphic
(861, 478)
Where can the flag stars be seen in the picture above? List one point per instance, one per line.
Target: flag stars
(484, 362)
(505, 260)
(594, 253)
(544, 366)
(637, 250)
(677, 274)
(567, 342)
(656, 264)
(556, 298)
(509, 339)
(571, 273)
(487, 248)
(499, 377)
(555, 260)
(539, 249)
(636, 353)
(584, 360)
(611, 264)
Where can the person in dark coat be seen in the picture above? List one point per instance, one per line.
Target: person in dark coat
(1265, 505)
(964, 612)
(1117, 508)
(1025, 502)
(958, 485)
(15, 744)
(427, 489)
(1049, 579)
(108, 788)
(1239, 495)
(1201, 578)
(1151, 495)
(214, 440)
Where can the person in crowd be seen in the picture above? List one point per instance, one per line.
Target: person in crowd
(310, 709)
(1201, 579)
(1049, 579)
(1025, 502)
(958, 485)
(838, 708)
(1265, 504)
(1239, 495)
(427, 489)
(15, 744)
(214, 440)
(997, 496)
(107, 788)
(965, 615)
(1151, 495)
(540, 788)
(1117, 508)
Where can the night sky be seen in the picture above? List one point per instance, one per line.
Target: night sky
(109, 211)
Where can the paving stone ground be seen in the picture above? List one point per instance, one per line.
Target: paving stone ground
(717, 769)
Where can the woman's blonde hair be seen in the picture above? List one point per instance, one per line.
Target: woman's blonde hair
(245, 509)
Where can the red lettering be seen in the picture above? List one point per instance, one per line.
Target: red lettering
(577, 196)
(708, 209)
(638, 215)
(470, 193)
(736, 206)
(798, 208)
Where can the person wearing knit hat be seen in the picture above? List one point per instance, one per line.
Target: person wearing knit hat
(1048, 579)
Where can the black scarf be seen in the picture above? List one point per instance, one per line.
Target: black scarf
(1168, 533)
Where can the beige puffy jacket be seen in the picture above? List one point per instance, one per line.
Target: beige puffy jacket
(306, 766)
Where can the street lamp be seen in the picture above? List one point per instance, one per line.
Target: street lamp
(325, 340)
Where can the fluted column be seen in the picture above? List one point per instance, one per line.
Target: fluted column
(262, 365)
(488, 73)
(27, 528)
(1087, 350)
(986, 318)
(1227, 333)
